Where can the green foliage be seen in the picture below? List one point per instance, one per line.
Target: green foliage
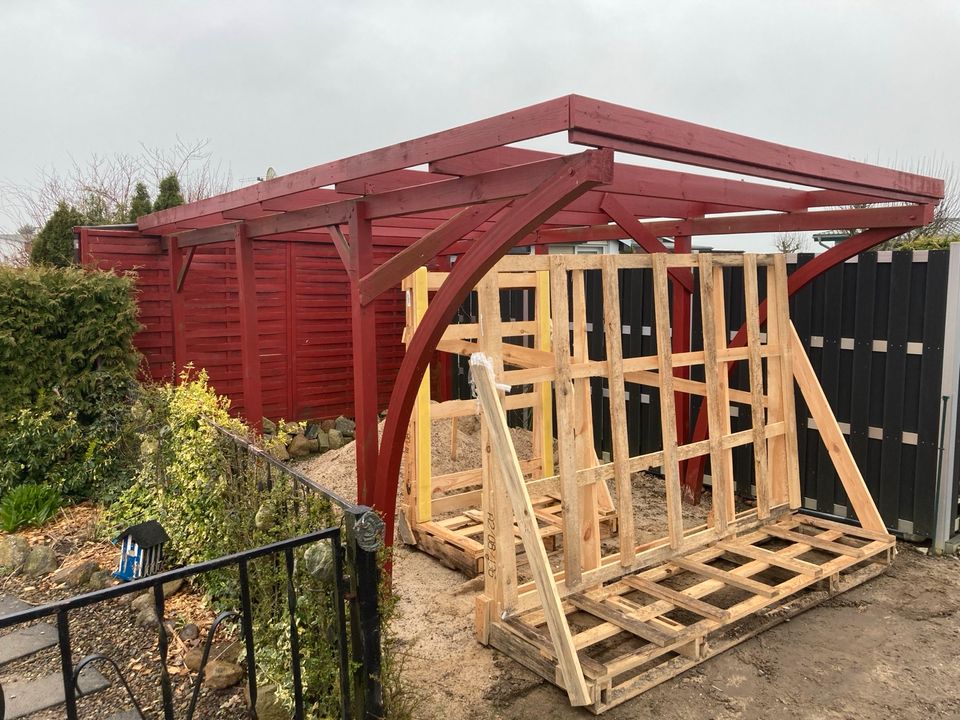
(213, 500)
(929, 242)
(53, 245)
(28, 505)
(169, 195)
(140, 203)
(180, 481)
(67, 368)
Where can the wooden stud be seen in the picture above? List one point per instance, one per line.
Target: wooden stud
(761, 480)
(668, 419)
(718, 407)
(500, 558)
(776, 447)
(591, 497)
(788, 403)
(509, 470)
(612, 330)
(544, 343)
(421, 413)
(566, 409)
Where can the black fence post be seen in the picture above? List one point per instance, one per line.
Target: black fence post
(364, 538)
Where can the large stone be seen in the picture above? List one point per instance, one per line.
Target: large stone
(323, 441)
(101, 579)
(269, 427)
(227, 651)
(147, 618)
(13, 553)
(268, 706)
(76, 575)
(173, 587)
(220, 674)
(41, 560)
(345, 426)
(336, 439)
(301, 446)
(279, 452)
(190, 631)
(142, 602)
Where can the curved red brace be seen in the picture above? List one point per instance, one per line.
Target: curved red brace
(581, 173)
(693, 477)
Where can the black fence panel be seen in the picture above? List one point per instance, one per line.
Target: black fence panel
(874, 330)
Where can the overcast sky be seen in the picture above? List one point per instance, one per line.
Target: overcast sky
(293, 84)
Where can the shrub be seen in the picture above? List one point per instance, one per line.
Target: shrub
(28, 505)
(213, 501)
(67, 375)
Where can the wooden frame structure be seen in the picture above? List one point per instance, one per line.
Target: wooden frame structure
(480, 197)
(608, 626)
(442, 513)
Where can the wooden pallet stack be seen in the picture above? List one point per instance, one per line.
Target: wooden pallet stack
(617, 617)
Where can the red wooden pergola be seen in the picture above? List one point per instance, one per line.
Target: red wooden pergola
(479, 197)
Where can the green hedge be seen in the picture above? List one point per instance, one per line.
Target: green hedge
(67, 373)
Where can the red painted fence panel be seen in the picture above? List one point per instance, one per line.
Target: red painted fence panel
(303, 319)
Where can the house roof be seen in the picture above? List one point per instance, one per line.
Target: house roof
(146, 534)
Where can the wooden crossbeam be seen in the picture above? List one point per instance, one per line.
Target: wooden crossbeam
(827, 545)
(622, 620)
(724, 576)
(680, 599)
(755, 553)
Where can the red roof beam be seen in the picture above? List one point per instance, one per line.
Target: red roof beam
(487, 187)
(899, 216)
(602, 124)
(670, 184)
(537, 120)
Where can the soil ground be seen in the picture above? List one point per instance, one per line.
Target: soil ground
(885, 649)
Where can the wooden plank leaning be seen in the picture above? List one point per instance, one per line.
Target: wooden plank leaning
(512, 476)
(833, 439)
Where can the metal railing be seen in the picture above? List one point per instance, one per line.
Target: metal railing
(356, 579)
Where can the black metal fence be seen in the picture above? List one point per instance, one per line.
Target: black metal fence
(353, 589)
(875, 330)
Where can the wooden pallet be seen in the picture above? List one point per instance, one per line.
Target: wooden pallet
(618, 618)
(457, 541)
(648, 627)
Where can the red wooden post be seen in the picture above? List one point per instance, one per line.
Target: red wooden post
(680, 342)
(178, 309)
(291, 330)
(249, 339)
(364, 326)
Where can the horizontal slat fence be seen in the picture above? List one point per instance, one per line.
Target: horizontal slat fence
(303, 319)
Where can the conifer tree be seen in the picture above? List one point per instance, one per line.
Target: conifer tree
(169, 195)
(53, 245)
(140, 203)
